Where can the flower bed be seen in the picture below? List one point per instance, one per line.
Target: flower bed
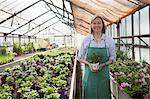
(42, 76)
(132, 77)
(6, 58)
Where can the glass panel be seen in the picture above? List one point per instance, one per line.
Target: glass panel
(137, 54)
(145, 40)
(1, 40)
(9, 41)
(16, 40)
(129, 41)
(144, 22)
(136, 40)
(128, 25)
(136, 23)
(145, 55)
(123, 27)
(114, 30)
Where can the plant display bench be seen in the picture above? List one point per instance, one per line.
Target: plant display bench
(130, 79)
(43, 76)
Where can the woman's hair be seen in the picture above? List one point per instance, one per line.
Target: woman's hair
(103, 29)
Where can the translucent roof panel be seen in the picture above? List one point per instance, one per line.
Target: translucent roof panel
(112, 11)
(145, 1)
(33, 17)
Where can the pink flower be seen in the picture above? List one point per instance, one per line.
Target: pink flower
(124, 84)
(146, 67)
(147, 76)
(130, 74)
(145, 96)
(120, 88)
(143, 79)
(143, 69)
(114, 81)
(144, 83)
(142, 74)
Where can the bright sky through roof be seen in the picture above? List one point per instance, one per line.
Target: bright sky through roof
(9, 7)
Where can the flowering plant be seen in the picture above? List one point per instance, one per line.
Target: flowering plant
(94, 57)
(132, 77)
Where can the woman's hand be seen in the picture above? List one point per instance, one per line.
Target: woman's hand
(90, 66)
(101, 66)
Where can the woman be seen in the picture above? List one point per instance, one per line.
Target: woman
(97, 52)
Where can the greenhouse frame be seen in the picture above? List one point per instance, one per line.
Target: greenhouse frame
(40, 32)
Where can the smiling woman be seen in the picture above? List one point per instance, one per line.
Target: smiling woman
(97, 52)
(30, 26)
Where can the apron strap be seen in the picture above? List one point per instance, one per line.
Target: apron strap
(90, 44)
(106, 48)
(87, 47)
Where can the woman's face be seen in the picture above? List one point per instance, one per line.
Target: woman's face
(97, 25)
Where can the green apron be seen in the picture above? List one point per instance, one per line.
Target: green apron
(96, 84)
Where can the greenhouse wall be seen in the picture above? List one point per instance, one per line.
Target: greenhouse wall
(136, 28)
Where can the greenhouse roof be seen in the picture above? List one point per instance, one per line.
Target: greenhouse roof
(33, 17)
(112, 11)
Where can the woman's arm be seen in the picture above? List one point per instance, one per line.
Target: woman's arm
(83, 50)
(84, 61)
(112, 53)
(110, 61)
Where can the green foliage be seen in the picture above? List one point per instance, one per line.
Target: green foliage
(17, 48)
(28, 47)
(6, 58)
(94, 58)
(37, 78)
(49, 90)
(5, 91)
(53, 96)
(132, 77)
(123, 55)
